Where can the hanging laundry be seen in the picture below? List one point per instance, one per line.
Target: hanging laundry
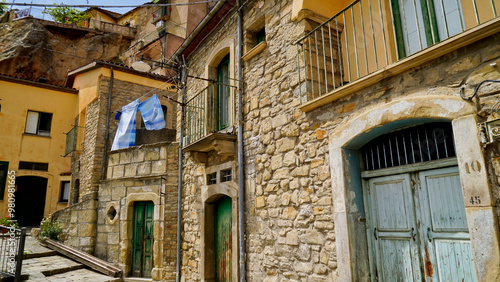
(152, 114)
(125, 134)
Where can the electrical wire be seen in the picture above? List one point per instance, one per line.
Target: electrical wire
(109, 6)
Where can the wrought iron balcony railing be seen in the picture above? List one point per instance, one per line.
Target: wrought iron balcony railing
(369, 35)
(209, 111)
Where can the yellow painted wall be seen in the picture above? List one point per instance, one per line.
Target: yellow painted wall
(16, 99)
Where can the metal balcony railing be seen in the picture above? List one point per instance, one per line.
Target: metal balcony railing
(208, 111)
(369, 35)
(12, 251)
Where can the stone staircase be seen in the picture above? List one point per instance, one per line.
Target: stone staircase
(43, 264)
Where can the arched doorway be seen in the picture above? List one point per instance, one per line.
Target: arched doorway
(30, 200)
(416, 223)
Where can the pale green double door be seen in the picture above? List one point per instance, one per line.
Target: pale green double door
(418, 227)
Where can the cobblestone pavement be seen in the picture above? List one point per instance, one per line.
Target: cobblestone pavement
(43, 264)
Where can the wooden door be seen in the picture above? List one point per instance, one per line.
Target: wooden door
(447, 254)
(142, 242)
(394, 229)
(418, 227)
(223, 239)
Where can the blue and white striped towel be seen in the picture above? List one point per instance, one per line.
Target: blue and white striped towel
(152, 114)
(125, 134)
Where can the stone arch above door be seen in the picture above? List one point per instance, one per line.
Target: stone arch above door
(348, 137)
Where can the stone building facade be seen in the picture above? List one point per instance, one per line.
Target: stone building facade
(114, 188)
(308, 213)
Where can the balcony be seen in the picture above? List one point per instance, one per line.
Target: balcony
(208, 121)
(161, 14)
(370, 40)
(72, 137)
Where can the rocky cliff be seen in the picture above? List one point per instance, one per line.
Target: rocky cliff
(41, 50)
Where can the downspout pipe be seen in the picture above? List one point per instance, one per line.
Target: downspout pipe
(241, 168)
(179, 187)
(105, 161)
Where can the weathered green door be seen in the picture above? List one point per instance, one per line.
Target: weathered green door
(418, 227)
(142, 243)
(223, 242)
(223, 94)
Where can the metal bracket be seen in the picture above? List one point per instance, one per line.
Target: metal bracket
(489, 131)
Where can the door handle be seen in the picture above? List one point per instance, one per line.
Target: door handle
(375, 233)
(413, 234)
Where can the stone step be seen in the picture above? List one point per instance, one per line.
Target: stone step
(84, 275)
(137, 279)
(42, 267)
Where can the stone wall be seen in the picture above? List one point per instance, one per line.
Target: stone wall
(79, 223)
(141, 173)
(289, 208)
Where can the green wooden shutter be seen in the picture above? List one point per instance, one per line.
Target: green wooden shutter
(223, 94)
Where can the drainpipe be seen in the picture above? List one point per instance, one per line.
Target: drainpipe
(105, 161)
(179, 188)
(241, 174)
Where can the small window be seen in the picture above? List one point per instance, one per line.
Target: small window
(4, 166)
(226, 175)
(261, 35)
(212, 178)
(34, 166)
(38, 123)
(164, 109)
(64, 192)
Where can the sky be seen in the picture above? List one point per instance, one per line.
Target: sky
(37, 11)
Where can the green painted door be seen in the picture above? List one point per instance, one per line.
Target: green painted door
(223, 239)
(223, 94)
(418, 227)
(142, 242)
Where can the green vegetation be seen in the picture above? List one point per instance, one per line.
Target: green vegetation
(5, 221)
(50, 229)
(3, 8)
(67, 15)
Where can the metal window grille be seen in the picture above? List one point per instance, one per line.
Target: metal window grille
(212, 178)
(226, 175)
(423, 143)
(34, 166)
